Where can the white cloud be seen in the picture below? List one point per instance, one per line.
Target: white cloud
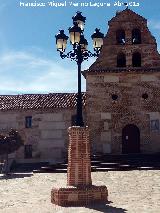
(23, 72)
(154, 24)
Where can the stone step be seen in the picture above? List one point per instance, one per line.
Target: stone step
(99, 163)
(57, 169)
(50, 171)
(135, 157)
(28, 166)
(104, 168)
(103, 165)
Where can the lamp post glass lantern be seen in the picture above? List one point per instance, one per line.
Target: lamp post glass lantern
(79, 52)
(61, 41)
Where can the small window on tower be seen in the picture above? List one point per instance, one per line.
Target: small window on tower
(114, 97)
(28, 121)
(120, 36)
(136, 36)
(145, 96)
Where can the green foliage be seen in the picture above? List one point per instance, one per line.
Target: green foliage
(10, 143)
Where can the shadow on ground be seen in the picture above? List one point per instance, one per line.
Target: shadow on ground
(103, 207)
(14, 176)
(107, 208)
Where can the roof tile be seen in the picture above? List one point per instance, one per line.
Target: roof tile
(39, 101)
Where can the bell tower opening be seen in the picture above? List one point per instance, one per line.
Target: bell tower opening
(136, 59)
(120, 36)
(136, 36)
(121, 60)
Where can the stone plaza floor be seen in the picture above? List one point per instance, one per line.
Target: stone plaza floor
(129, 191)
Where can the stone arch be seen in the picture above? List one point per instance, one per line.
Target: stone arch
(121, 60)
(136, 59)
(136, 36)
(120, 36)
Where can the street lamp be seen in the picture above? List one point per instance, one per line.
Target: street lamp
(79, 52)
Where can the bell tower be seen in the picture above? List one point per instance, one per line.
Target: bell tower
(128, 43)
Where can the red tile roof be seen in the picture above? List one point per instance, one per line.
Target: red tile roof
(39, 101)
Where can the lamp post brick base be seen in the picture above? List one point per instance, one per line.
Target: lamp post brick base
(79, 190)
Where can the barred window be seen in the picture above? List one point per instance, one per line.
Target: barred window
(28, 121)
(28, 151)
(154, 124)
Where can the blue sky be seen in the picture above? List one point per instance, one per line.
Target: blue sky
(29, 62)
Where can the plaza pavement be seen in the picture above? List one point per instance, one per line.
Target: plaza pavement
(132, 191)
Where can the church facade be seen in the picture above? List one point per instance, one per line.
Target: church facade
(121, 103)
(123, 89)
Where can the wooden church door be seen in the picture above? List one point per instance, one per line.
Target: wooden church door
(130, 139)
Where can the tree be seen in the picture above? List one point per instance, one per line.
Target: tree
(9, 144)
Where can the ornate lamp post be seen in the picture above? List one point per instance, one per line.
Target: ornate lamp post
(79, 162)
(79, 52)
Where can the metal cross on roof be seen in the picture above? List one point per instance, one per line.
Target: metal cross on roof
(126, 4)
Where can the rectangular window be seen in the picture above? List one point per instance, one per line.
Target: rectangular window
(28, 151)
(155, 125)
(28, 121)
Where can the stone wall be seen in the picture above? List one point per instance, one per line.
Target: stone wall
(107, 117)
(48, 135)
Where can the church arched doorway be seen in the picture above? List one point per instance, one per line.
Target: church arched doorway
(130, 139)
